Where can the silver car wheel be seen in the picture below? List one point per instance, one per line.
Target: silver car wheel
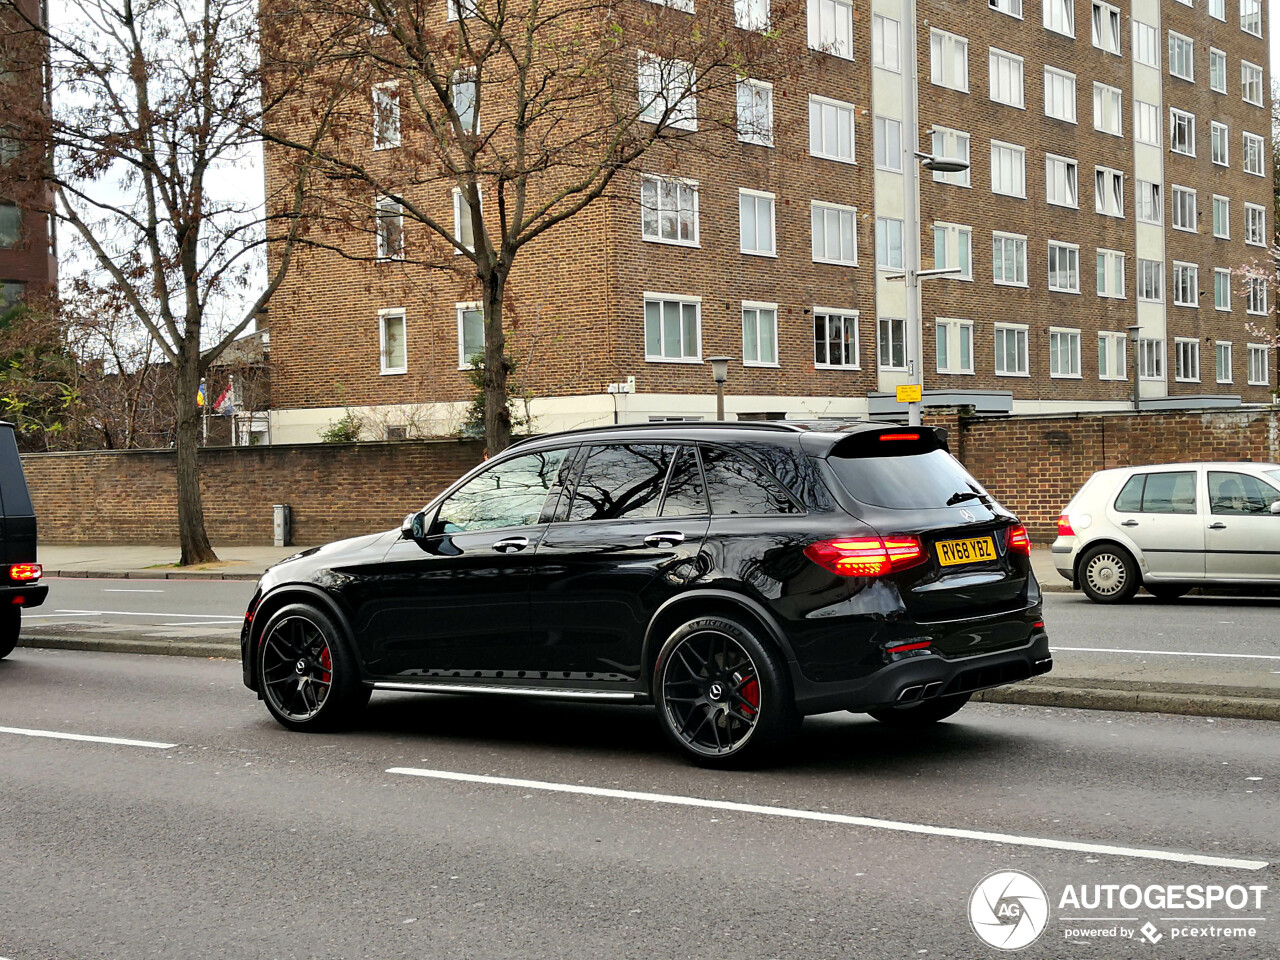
(1107, 574)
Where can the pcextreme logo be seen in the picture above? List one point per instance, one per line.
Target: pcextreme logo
(1008, 910)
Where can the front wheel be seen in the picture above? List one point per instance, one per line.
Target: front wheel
(921, 714)
(10, 627)
(723, 697)
(1108, 574)
(307, 675)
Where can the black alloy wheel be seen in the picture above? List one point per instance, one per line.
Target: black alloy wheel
(723, 697)
(10, 627)
(923, 713)
(307, 676)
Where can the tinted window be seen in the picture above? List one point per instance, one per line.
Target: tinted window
(686, 495)
(1158, 493)
(621, 480)
(736, 485)
(933, 479)
(509, 494)
(1239, 493)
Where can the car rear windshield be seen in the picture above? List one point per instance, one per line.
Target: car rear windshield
(911, 481)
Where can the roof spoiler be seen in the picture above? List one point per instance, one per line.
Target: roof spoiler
(892, 441)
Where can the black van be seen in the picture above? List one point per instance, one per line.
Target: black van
(19, 572)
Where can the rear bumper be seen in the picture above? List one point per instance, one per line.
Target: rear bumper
(29, 595)
(925, 677)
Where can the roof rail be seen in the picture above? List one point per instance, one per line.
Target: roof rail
(769, 426)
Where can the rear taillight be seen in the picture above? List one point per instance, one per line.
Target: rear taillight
(866, 556)
(1064, 526)
(1018, 540)
(25, 571)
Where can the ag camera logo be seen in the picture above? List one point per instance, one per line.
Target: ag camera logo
(1008, 910)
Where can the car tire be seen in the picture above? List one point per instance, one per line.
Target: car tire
(922, 713)
(1109, 574)
(724, 698)
(10, 628)
(306, 671)
(1166, 592)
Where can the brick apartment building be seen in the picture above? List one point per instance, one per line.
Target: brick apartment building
(1119, 175)
(27, 255)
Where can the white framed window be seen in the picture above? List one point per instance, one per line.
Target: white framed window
(1184, 209)
(1111, 274)
(755, 112)
(1062, 181)
(1253, 162)
(1064, 353)
(463, 230)
(955, 145)
(1259, 369)
(672, 328)
(1009, 259)
(756, 222)
(1221, 217)
(1256, 296)
(1251, 83)
(948, 60)
(1255, 225)
(1186, 360)
(888, 137)
(1218, 135)
(1217, 71)
(886, 43)
(386, 116)
(1064, 267)
(1059, 94)
(1222, 289)
(470, 333)
(835, 338)
(953, 345)
(1107, 110)
(1108, 191)
(1186, 284)
(1106, 27)
(1147, 196)
(464, 93)
(891, 343)
(1146, 45)
(1008, 169)
(1182, 132)
(668, 94)
(888, 243)
(1222, 352)
(831, 27)
(1218, 10)
(1182, 56)
(390, 229)
(831, 129)
(759, 334)
(749, 14)
(1060, 16)
(1011, 350)
(835, 233)
(1151, 280)
(953, 247)
(460, 9)
(1251, 17)
(1150, 358)
(1146, 122)
(1113, 363)
(393, 353)
(1006, 78)
(1011, 7)
(669, 210)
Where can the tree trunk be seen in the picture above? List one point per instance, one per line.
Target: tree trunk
(497, 416)
(191, 533)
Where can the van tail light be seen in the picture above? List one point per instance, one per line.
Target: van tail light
(1064, 526)
(1018, 540)
(866, 556)
(25, 571)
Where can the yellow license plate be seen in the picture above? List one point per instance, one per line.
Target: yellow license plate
(952, 552)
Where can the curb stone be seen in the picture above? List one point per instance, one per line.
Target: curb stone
(151, 575)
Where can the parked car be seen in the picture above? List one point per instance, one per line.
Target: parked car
(737, 575)
(1170, 528)
(19, 572)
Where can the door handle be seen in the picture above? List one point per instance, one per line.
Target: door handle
(666, 539)
(1218, 526)
(1128, 523)
(511, 544)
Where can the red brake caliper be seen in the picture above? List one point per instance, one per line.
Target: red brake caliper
(327, 663)
(751, 693)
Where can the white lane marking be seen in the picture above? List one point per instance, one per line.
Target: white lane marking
(134, 613)
(896, 825)
(123, 590)
(199, 623)
(1172, 653)
(54, 735)
(54, 616)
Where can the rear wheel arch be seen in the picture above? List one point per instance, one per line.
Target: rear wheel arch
(1111, 542)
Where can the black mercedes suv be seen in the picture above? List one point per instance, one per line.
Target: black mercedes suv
(738, 576)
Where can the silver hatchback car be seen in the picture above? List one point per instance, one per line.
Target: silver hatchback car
(1170, 528)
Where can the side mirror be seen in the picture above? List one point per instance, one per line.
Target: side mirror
(1275, 507)
(406, 527)
(415, 526)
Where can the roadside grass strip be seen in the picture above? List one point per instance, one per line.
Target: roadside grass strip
(870, 822)
(85, 738)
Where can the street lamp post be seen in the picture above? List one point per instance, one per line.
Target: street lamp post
(1135, 329)
(719, 373)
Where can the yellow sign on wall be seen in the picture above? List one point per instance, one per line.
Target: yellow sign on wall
(910, 393)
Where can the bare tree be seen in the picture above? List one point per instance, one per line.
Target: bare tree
(530, 110)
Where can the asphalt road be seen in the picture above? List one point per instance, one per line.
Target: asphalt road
(228, 837)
